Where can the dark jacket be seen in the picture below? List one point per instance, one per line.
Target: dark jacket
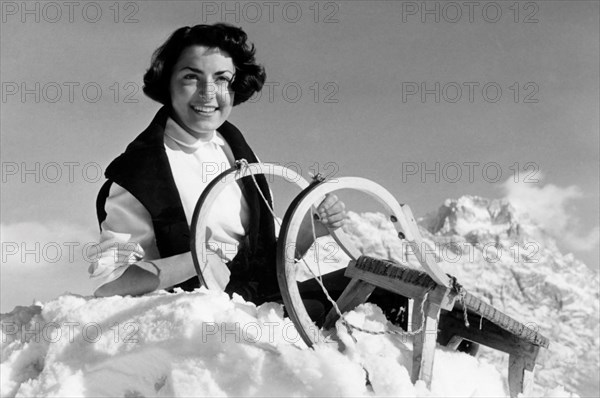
(144, 171)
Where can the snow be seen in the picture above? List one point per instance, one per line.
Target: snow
(203, 343)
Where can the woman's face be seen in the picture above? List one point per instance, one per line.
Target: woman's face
(200, 88)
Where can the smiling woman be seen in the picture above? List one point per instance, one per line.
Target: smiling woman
(146, 206)
(200, 89)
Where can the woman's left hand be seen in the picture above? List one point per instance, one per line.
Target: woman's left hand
(332, 212)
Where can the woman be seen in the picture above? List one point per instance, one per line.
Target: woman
(199, 74)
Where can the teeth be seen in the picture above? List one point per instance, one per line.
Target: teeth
(204, 109)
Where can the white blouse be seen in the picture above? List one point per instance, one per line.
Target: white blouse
(127, 233)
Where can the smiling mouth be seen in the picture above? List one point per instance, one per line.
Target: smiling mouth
(204, 110)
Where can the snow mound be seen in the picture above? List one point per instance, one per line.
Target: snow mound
(205, 344)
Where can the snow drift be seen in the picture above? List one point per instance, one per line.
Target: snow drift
(205, 344)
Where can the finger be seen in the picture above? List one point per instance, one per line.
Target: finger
(330, 200)
(332, 218)
(338, 207)
(336, 224)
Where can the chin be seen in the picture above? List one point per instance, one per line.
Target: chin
(205, 127)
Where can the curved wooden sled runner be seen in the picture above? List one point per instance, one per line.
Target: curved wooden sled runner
(212, 272)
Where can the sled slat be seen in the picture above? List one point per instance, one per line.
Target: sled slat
(401, 280)
(478, 308)
(412, 283)
(487, 325)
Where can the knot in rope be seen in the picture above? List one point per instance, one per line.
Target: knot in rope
(241, 163)
(317, 177)
(462, 294)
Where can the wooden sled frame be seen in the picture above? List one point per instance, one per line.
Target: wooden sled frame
(498, 331)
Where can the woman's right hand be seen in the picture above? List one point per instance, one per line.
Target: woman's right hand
(147, 276)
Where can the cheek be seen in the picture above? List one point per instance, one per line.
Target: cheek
(175, 96)
(225, 98)
(181, 92)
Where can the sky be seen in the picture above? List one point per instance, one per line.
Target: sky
(432, 100)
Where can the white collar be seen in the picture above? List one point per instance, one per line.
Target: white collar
(183, 138)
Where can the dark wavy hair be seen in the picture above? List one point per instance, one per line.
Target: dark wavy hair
(249, 76)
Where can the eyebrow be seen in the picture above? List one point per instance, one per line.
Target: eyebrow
(195, 70)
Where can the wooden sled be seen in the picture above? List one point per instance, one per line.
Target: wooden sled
(441, 291)
(443, 312)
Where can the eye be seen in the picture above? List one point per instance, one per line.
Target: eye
(190, 76)
(224, 79)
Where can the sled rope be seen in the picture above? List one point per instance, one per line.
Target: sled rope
(314, 235)
(462, 294)
(245, 169)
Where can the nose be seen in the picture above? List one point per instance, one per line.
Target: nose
(207, 89)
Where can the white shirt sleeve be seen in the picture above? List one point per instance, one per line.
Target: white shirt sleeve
(127, 236)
